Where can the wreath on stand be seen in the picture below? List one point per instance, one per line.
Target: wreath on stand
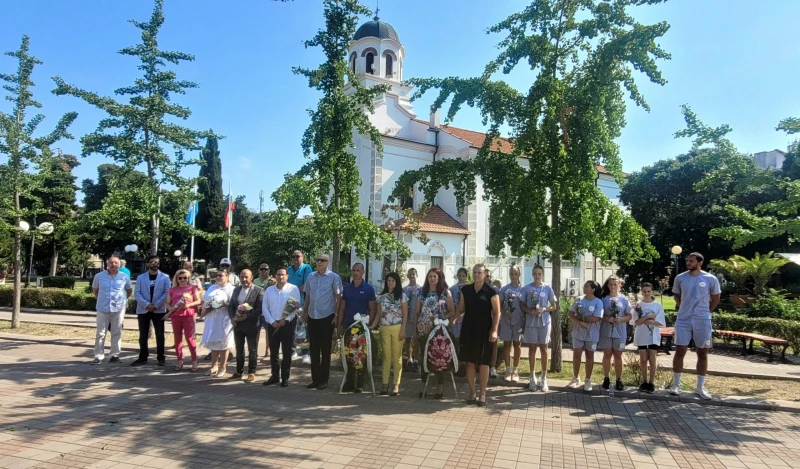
(356, 349)
(440, 352)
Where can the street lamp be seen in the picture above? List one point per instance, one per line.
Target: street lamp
(44, 228)
(131, 248)
(676, 251)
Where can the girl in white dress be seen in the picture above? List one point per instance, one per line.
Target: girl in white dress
(217, 335)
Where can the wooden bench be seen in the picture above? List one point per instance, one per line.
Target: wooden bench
(748, 336)
(667, 335)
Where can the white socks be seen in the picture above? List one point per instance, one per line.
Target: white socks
(677, 380)
(701, 382)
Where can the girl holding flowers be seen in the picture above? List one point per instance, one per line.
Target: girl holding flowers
(585, 316)
(182, 302)
(649, 317)
(436, 302)
(614, 330)
(392, 316)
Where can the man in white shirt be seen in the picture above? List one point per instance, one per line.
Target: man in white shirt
(280, 329)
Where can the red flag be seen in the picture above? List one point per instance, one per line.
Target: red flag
(229, 213)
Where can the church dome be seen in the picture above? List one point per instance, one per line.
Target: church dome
(376, 28)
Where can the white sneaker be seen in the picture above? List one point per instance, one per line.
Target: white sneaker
(493, 373)
(675, 390)
(574, 384)
(533, 383)
(587, 385)
(306, 359)
(543, 387)
(507, 378)
(514, 377)
(703, 393)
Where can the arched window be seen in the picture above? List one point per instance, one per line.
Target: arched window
(371, 63)
(353, 57)
(389, 66)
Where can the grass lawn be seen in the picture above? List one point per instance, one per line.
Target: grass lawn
(668, 302)
(769, 389)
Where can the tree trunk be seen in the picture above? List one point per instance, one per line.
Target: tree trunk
(555, 261)
(54, 261)
(15, 304)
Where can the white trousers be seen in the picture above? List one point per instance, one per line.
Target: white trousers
(103, 321)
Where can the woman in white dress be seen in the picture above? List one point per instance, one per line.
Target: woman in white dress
(217, 335)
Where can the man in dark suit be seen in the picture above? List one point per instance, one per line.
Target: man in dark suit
(245, 323)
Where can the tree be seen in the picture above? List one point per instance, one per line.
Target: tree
(278, 234)
(136, 132)
(677, 203)
(329, 182)
(28, 155)
(583, 54)
(210, 218)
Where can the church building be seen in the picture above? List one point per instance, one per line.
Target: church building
(409, 142)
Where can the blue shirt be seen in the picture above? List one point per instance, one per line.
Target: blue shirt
(542, 295)
(125, 271)
(112, 294)
(298, 278)
(323, 290)
(588, 308)
(615, 331)
(356, 300)
(695, 292)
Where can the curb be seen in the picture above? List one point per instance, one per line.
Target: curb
(741, 402)
(61, 312)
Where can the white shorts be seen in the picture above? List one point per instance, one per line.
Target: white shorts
(508, 332)
(609, 343)
(578, 344)
(537, 335)
(698, 329)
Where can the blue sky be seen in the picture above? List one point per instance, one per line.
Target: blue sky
(733, 61)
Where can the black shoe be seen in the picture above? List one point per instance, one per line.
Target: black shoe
(619, 385)
(323, 386)
(162, 362)
(236, 375)
(420, 395)
(115, 360)
(139, 362)
(358, 390)
(207, 357)
(284, 383)
(348, 388)
(312, 386)
(651, 388)
(272, 380)
(439, 395)
(472, 401)
(643, 387)
(481, 403)
(606, 383)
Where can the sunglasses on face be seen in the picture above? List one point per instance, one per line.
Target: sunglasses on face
(264, 270)
(183, 278)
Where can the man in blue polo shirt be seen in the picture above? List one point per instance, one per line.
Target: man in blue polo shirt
(358, 297)
(298, 273)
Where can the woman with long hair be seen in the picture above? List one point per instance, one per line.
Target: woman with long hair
(217, 332)
(613, 330)
(585, 315)
(182, 301)
(436, 302)
(480, 305)
(539, 300)
(392, 316)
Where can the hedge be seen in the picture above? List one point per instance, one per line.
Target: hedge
(59, 282)
(56, 298)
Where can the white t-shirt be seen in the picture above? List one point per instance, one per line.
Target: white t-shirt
(644, 334)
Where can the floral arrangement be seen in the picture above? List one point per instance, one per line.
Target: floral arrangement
(440, 349)
(579, 311)
(214, 299)
(242, 310)
(356, 345)
(640, 314)
(292, 307)
(613, 313)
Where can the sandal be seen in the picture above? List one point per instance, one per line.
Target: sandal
(195, 367)
(385, 391)
(179, 366)
(212, 372)
(472, 401)
(481, 403)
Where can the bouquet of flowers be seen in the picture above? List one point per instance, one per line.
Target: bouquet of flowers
(292, 307)
(579, 311)
(440, 350)
(613, 313)
(180, 304)
(640, 314)
(441, 311)
(242, 310)
(214, 300)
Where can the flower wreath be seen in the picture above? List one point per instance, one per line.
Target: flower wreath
(357, 345)
(440, 349)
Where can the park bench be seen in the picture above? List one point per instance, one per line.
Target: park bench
(667, 334)
(768, 341)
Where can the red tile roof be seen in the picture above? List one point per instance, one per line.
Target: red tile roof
(437, 220)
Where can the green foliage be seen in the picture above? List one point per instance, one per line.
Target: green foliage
(278, 234)
(774, 304)
(211, 216)
(137, 132)
(59, 282)
(734, 269)
(759, 269)
(329, 182)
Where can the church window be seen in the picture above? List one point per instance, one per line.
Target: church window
(389, 66)
(437, 262)
(353, 62)
(371, 63)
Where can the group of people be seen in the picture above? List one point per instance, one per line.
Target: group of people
(476, 315)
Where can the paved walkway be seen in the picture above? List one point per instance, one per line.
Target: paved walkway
(58, 411)
(722, 362)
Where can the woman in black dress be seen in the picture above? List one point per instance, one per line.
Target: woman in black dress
(480, 307)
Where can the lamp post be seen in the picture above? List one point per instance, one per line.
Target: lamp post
(676, 251)
(44, 228)
(131, 248)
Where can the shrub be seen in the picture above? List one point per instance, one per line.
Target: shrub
(56, 298)
(774, 304)
(59, 282)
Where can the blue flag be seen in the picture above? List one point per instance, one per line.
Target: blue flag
(193, 209)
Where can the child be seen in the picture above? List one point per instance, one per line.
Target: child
(649, 317)
(614, 330)
(585, 315)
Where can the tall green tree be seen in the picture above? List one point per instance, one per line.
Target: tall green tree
(139, 131)
(210, 218)
(27, 155)
(330, 180)
(583, 54)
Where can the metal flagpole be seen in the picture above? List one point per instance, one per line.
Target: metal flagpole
(230, 220)
(194, 220)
